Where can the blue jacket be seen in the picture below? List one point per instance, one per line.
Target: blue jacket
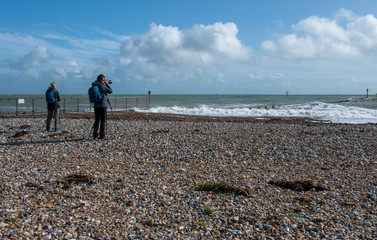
(105, 89)
(54, 105)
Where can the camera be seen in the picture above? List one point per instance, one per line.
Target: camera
(109, 81)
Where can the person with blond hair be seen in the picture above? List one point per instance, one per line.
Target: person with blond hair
(52, 99)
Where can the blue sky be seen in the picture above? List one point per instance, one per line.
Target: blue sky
(190, 47)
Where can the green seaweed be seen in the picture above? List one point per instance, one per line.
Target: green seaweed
(202, 224)
(208, 210)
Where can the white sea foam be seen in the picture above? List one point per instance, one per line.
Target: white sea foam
(317, 110)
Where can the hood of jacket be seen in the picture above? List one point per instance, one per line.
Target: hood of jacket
(101, 87)
(97, 83)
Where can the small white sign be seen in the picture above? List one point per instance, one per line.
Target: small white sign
(21, 101)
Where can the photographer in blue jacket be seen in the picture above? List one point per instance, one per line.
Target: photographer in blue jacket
(100, 108)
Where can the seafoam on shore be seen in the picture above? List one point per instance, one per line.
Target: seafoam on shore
(334, 113)
(139, 182)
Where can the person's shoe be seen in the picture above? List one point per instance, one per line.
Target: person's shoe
(57, 130)
(102, 137)
(95, 135)
(47, 130)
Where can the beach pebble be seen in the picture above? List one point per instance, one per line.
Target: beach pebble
(139, 183)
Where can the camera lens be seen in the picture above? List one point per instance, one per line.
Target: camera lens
(110, 82)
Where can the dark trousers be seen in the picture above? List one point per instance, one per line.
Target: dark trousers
(54, 112)
(100, 114)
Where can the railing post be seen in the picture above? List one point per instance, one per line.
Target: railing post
(149, 100)
(16, 107)
(33, 110)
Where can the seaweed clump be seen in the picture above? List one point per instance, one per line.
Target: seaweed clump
(300, 186)
(20, 134)
(76, 179)
(221, 187)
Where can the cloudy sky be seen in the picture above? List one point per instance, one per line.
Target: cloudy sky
(190, 46)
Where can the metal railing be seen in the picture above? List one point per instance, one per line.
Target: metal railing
(37, 105)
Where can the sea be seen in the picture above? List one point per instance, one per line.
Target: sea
(356, 109)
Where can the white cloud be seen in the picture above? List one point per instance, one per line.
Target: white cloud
(197, 57)
(292, 46)
(345, 14)
(271, 76)
(164, 54)
(17, 44)
(56, 56)
(255, 76)
(30, 62)
(200, 46)
(316, 37)
(277, 75)
(218, 39)
(364, 80)
(363, 32)
(57, 73)
(159, 45)
(321, 28)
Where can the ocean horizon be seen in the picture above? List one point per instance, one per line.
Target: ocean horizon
(342, 108)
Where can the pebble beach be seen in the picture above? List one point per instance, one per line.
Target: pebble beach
(159, 176)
